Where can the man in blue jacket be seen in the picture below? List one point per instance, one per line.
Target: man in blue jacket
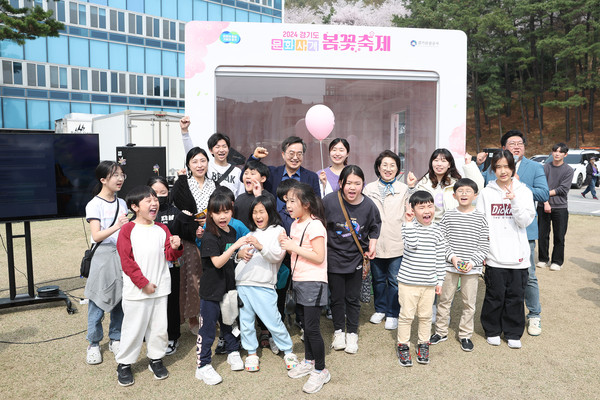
(293, 150)
(532, 174)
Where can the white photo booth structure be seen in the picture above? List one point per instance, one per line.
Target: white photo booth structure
(389, 88)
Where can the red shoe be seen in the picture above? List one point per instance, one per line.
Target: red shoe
(595, 198)
(583, 195)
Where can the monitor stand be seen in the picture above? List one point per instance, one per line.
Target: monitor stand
(44, 295)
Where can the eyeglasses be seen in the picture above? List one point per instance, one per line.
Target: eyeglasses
(120, 176)
(463, 192)
(515, 144)
(291, 154)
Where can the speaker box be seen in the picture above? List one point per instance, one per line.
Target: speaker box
(140, 164)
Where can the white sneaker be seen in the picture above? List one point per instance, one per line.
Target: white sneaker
(114, 346)
(316, 381)
(555, 267)
(391, 323)
(339, 340)
(93, 355)
(235, 361)
(351, 343)
(291, 360)
(377, 317)
(252, 363)
(273, 346)
(534, 328)
(494, 340)
(514, 344)
(301, 369)
(208, 375)
(541, 264)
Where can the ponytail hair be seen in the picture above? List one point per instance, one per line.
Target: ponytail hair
(306, 195)
(105, 169)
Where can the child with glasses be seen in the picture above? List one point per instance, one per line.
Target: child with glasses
(466, 231)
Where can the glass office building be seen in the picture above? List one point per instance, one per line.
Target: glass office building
(113, 55)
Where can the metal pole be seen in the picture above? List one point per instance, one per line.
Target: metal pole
(10, 253)
(29, 258)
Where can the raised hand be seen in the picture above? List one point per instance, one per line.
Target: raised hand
(184, 124)
(411, 179)
(481, 157)
(260, 152)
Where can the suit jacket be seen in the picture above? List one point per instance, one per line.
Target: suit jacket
(532, 174)
(276, 173)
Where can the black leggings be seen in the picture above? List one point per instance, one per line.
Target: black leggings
(345, 300)
(314, 347)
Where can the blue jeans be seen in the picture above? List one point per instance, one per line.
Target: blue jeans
(210, 314)
(532, 291)
(95, 317)
(591, 187)
(385, 285)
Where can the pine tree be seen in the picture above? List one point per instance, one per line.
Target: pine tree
(21, 24)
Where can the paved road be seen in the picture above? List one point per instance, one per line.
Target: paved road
(579, 205)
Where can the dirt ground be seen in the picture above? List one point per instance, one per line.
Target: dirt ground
(562, 363)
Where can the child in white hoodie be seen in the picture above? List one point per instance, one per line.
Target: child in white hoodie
(256, 276)
(509, 209)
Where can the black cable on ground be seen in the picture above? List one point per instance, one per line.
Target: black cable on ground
(45, 341)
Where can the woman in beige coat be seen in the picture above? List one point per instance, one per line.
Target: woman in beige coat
(390, 195)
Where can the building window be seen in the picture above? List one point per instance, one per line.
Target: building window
(73, 13)
(182, 32)
(153, 86)
(57, 7)
(117, 82)
(12, 72)
(82, 13)
(83, 79)
(75, 78)
(113, 20)
(121, 21)
(54, 77)
(181, 89)
(132, 23)
(173, 33)
(140, 85)
(139, 27)
(149, 27)
(268, 3)
(93, 17)
(132, 84)
(173, 87)
(36, 75)
(166, 87)
(102, 18)
(99, 81)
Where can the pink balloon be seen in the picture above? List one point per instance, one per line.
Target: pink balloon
(320, 121)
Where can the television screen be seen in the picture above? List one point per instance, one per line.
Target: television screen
(46, 175)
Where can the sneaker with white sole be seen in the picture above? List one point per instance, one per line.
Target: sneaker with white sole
(273, 346)
(339, 340)
(235, 361)
(252, 363)
(514, 343)
(534, 327)
(403, 353)
(301, 369)
(208, 375)
(158, 369)
(316, 381)
(391, 323)
(377, 317)
(124, 375)
(351, 343)
(466, 344)
(555, 267)
(493, 340)
(93, 355)
(291, 360)
(541, 264)
(423, 353)
(114, 346)
(172, 347)
(436, 338)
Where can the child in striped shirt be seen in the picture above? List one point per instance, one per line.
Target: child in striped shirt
(420, 276)
(466, 231)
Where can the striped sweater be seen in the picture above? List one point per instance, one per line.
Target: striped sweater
(423, 263)
(467, 235)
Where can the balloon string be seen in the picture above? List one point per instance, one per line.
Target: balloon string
(321, 147)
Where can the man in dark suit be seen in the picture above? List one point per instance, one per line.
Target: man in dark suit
(293, 150)
(532, 174)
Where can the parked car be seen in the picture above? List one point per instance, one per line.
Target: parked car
(541, 158)
(578, 160)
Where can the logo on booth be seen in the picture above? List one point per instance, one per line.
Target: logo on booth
(413, 43)
(230, 37)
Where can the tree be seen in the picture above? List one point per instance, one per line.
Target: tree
(345, 12)
(20, 24)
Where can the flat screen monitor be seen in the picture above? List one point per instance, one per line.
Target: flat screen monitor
(46, 175)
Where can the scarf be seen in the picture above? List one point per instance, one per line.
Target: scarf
(387, 188)
(201, 194)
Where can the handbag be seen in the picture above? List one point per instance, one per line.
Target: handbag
(86, 261)
(290, 294)
(366, 264)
